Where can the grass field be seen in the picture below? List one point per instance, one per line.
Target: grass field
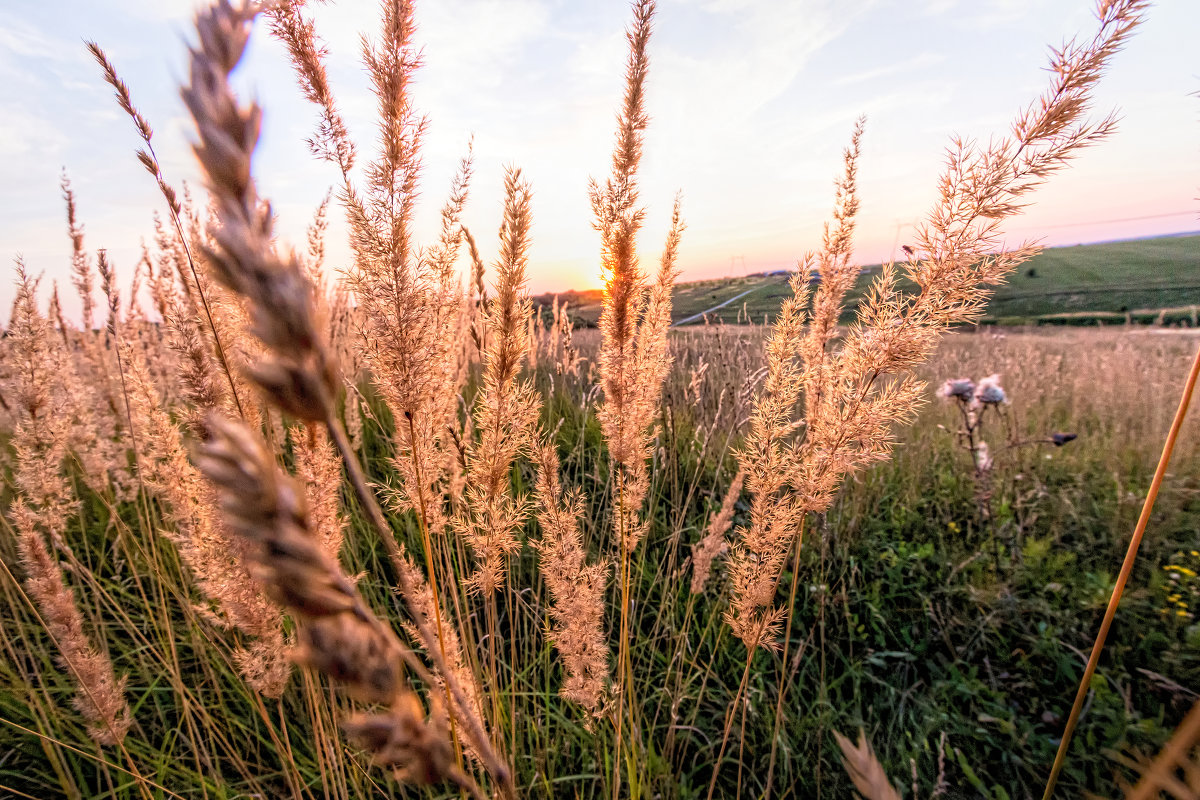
(1085, 284)
(953, 640)
(300, 537)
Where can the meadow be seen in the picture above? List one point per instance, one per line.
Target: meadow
(959, 665)
(275, 529)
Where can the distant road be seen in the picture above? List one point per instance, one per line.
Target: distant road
(700, 315)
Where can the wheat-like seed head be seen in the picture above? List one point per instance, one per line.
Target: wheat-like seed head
(297, 372)
(864, 769)
(339, 635)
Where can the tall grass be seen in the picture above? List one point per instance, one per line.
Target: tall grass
(285, 533)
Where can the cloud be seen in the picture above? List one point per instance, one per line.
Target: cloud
(916, 62)
(750, 105)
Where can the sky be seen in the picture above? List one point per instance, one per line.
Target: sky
(751, 104)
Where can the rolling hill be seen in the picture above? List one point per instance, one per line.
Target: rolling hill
(1145, 280)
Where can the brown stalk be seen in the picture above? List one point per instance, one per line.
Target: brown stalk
(1135, 541)
(1177, 755)
(149, 160)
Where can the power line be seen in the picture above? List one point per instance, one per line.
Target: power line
(1123, 219)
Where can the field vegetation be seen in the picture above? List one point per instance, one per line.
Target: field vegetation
(277, 530)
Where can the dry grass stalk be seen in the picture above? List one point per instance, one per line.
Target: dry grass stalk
(320, 467)
(339, 635)
(854, 394)
(296, 371)
(634, 318)
(633, 356)
(179, 242)
(332, 140)
(506, 410)
(213, 557)
(713, 545)
(506, 415)
(576, 588)
(775, 514)
(82, 277)
(92, 392)
(477, 299)
(36, 368)
(100, 697)
(146, 156)
(400, 298)
(170, 286)
(408, 300)
(864, 769)
(568, 360)
(426, 611)
(194, 370)
(317, 461)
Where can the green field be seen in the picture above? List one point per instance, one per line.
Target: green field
(1086, 284)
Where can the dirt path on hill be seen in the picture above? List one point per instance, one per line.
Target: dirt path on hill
(701, 314)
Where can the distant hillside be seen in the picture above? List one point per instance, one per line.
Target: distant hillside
(1085, 283)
